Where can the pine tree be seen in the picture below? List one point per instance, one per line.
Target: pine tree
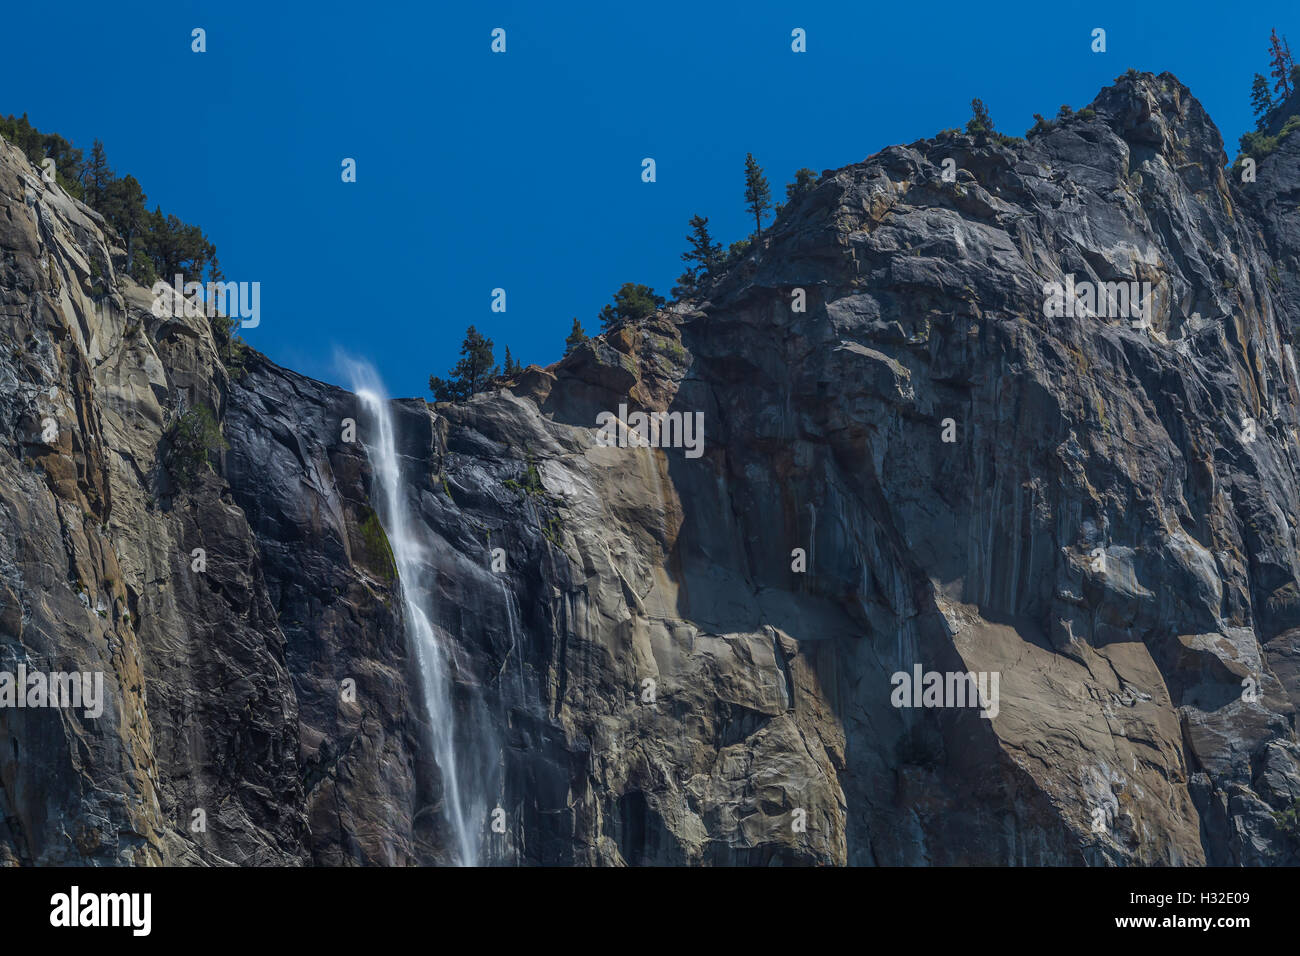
(1280, 56)
(124, 209)
(805, 180)
(22, 134)
(96, 176)
(704, 253)
(980, 124)
(471, 374)
(177, 248)
(1260, 100)
(632, 302)
(576, 336)
(223, 326)
(735, 252)
(688, 285)
(511, 368)
(758, 197)
(67, 163)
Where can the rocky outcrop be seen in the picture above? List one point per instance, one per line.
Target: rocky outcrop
(1273, 200)
(203, 754)
(910, 458)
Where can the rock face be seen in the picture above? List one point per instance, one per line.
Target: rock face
(687, 659)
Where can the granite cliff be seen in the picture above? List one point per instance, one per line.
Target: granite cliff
(679, 660)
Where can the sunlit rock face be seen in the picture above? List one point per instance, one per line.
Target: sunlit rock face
(932, 439)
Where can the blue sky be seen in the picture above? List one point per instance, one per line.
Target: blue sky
(523, 170)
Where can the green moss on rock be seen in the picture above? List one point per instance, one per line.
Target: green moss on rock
(379, 554)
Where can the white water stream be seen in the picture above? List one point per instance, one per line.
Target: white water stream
(465, 814)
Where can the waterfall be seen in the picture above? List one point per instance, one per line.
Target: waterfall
(465, 814)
